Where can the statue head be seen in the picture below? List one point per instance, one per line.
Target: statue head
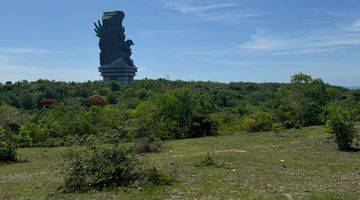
(114, 15)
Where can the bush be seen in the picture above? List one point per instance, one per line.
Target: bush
(341, 127)
(99, 120)
(203, 126)
(100, 167)
(183, 113)
(51, 142)
(30, 135)
(147, 145)
(258, 121)
(277, 127)
(208, 160)
(7, 150)
(7, 153)
(159, 178)
(98, 100)
(116, 135)
(228, 121)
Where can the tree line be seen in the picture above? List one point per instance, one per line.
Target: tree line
(50, 113)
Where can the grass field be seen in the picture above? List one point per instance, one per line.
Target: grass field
(295, 164)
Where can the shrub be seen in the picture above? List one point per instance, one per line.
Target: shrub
(341, 127)
(31, 135)
(51, 142)
(180, 114)
(159, 178)
(228, 121)
(47, 102)
(147, 145)
(277, 127)
(7, 150)
(98, 100)
(203, 126)
(71, 140)
(208, 160)
(7, 153)
(116, 135)
(100, 167)
(100, 120)
(11, 118)
(258, 121)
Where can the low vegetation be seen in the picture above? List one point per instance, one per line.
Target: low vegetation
(117, 134)
(341, 127)
(100, 167)
(148, 145)
(208, 160)
(7, 153)
(7, 149)
(48, 113)
(296, 164)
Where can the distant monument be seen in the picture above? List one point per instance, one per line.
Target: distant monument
(115, 61)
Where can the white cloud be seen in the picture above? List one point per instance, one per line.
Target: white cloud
(3, 58)
(211, 51)
(10, 72)
(288, 64)
(218, 12)
(302, 43)
(336, 14)
(354, 26)
(160, 33)
(190, 7)
(12, 50)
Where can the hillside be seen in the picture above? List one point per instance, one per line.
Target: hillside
(48, 113)
(295, 164)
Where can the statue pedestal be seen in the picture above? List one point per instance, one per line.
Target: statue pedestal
(118, 71)
(119, 75)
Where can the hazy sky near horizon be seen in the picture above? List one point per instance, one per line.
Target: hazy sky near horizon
(218, 40)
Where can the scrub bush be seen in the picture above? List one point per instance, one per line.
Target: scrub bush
(100, 167)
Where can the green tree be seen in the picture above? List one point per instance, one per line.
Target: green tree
(181, 114)
(305, 98)
(59, 120)
(7, 148)
(258, 120)
(340, 126)
(27, 101)
(31, 134)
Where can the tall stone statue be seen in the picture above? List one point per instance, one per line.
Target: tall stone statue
(115, 56)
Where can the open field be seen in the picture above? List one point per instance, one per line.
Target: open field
(296, 164)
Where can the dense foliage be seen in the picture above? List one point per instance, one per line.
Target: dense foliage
(100, 167)
(340, 126)
(180, 114)
(49, 113)
(7, 145)
(7, 152)
(147, 145)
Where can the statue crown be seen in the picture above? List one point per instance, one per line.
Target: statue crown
(113, 14)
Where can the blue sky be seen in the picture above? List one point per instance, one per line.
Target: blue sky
(218, 40)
